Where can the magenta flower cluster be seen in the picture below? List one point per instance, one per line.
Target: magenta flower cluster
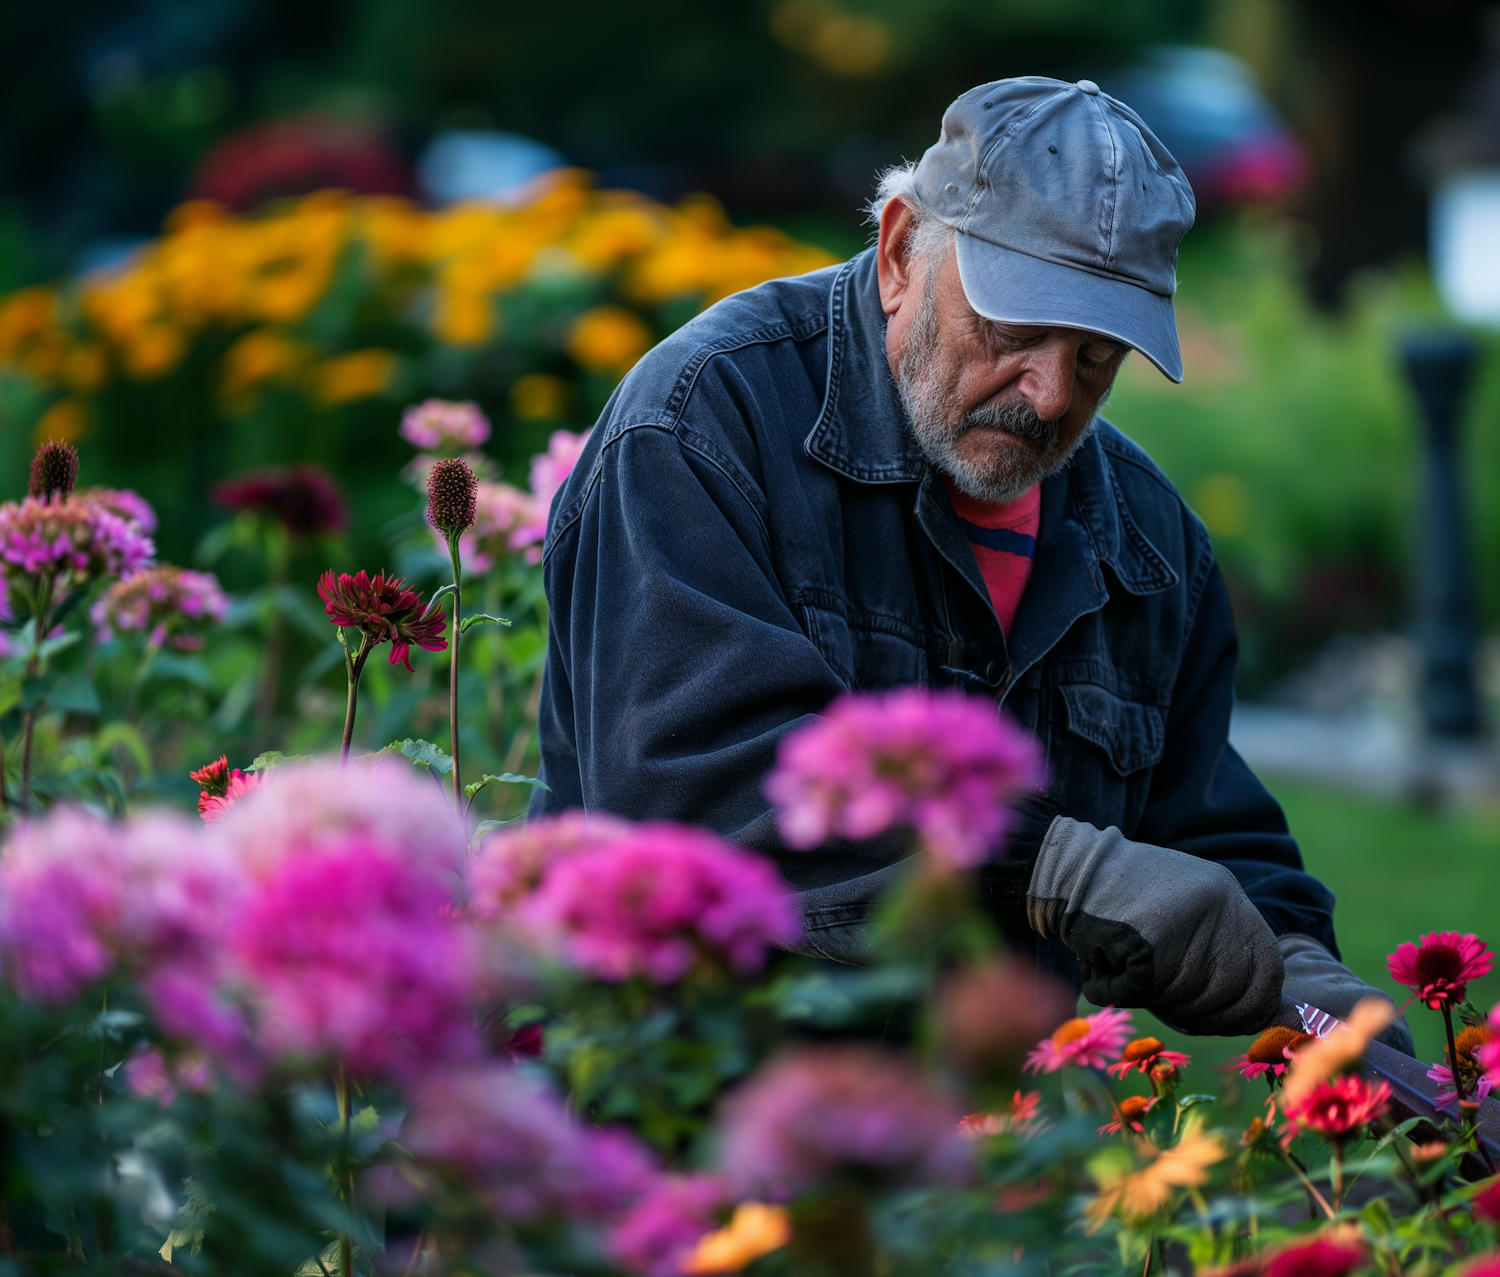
(650, 900)
(169, 605)
(70, 541)
(946, 765)
(313, 922)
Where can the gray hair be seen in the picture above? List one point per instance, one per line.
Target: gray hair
(928, 234)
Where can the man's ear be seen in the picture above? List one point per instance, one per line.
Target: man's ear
(893, 254)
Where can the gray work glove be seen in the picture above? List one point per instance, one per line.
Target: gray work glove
(1156, 928)
(1315, 977)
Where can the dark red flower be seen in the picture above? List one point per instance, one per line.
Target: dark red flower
(452, 496)
(1487, 1204)
(304, 498)
(212, 778)
(383, 608)
(54, 471)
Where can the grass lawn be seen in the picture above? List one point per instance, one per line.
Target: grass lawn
(1398, 872)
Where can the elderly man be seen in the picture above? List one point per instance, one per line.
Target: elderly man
(893, 472)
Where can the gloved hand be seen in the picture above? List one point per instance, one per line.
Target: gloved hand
(1314, 976)
(1156, 928)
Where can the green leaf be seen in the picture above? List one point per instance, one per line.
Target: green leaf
(424, 753)
(70, 691)
(480, 618)
(1191, 1101)
(484, 826)
(505, 778)
(436, 595)
(274, 758)
(365, 1120)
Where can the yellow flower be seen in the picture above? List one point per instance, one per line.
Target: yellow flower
(362, 374)
(1139, 1193)
(86, 367)
(64, 422)
(25, 315)
(539, 397)
(258, 357)
(464, 314)
(152, 350)
(756, 1229)
(608, 339)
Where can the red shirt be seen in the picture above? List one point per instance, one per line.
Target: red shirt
(1003, 538)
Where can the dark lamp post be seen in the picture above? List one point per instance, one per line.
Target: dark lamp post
(1439, 367)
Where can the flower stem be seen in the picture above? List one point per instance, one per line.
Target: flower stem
(346, 1243)
(354, 667)
(1458, 1082)
(1297, 1170)
(458, 610)
(1336, 1175)
(28, 728)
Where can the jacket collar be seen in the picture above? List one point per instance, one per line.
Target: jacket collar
(862, 433)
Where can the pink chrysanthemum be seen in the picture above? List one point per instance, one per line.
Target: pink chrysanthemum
(171, 606)
(509, 865)
(508, 1136)
(942, 763)
(1088, 1041)
(443, 425)
(344, 952)
(387, 804)
(1336, 1109)
(384, 610)
(814, 1114)
(1438, 968)
(1144, 1054)
(1489, 1053)
(653, 902)
(656, 1236)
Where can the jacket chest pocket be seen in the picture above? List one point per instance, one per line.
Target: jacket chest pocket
(1130, 734)
(1101, 749)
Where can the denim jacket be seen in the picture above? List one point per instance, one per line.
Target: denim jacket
(752, 530)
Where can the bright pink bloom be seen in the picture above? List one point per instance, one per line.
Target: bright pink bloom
(507, 1135)
(148, 1076)
(1271, 1052)
(384, 610)
(1331, 1256)
(653, 902)
(1439, 967)
(655, 1236)
(509, 865)
(441, 424)
(813, 1114)
(1087, 1041)
(500, 509)
(1336, 1109)
(1443, 1076)
(343, 952)
(1487, 1203)
(548, 470)
(1022, 1118)
(1483, 1266)
(130, 506)
(944, 764)
(386, 804)
(212, 807)
(1128, 1115)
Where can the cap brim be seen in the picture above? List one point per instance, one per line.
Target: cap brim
(1016, 288)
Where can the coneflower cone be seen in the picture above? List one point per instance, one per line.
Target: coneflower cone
(452, 496)
(54, 471)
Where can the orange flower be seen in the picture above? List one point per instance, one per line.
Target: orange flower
(1141, 1193)
(1320, 1059)
(1128, 1115)
(608, 339)
(754, 1230)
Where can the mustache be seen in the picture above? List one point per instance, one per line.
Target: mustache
(1015, 416)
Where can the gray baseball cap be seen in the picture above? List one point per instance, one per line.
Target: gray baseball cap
(1067, 208)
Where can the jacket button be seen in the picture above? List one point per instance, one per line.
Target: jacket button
(992, 671)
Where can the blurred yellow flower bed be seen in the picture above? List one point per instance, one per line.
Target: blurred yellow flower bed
(254, 284)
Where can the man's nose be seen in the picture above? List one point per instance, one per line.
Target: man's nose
(1048, 381)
